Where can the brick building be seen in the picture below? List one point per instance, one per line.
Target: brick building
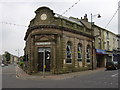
(58, 44)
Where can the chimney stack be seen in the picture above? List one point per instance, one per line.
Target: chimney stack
(85, 18)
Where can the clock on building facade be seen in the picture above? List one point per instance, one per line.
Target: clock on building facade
(43, 16)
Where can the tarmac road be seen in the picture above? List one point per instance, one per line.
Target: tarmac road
(95, 79)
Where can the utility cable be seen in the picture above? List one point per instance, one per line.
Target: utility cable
(13, 24)
(26, 26)
(71, 7)
(112, 17)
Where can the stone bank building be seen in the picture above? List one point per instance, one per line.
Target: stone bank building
(58, 44)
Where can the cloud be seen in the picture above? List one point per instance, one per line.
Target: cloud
(21, 12)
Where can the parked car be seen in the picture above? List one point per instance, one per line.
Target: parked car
(2, 65)
(112, 65)
(6, 64)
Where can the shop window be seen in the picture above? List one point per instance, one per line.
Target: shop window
(69, 53)
(88, 54)
(79, 52)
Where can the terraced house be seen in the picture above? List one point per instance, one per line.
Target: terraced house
(58, 44)
(105, 43)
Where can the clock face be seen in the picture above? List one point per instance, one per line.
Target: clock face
(43, 17)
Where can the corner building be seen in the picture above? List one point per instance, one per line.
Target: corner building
(58, 44)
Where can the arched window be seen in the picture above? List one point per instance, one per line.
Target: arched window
(69, 53)
(79, 52)
(88, 50)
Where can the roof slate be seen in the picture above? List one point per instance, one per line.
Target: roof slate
(68, 19)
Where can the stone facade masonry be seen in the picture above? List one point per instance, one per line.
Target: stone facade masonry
(55, 36)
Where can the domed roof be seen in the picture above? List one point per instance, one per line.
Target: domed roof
(44, 7)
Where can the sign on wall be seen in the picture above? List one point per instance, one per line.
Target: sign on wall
(42, 43)
(100, 51)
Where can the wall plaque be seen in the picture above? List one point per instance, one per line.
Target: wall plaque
(42, 43)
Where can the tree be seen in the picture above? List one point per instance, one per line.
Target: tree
(7, 56)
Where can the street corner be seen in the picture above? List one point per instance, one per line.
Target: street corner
(20, 74)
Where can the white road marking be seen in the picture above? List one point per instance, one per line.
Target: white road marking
(115, 75)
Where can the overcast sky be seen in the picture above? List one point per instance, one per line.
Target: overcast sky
(22, 11)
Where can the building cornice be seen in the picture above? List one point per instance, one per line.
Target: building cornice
(30, 29)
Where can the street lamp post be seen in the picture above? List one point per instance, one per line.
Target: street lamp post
(44, 66)
(98, 16)
(92, 55)
(18, 54)
(17, 51)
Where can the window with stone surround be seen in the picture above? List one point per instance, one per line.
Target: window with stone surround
(69, 52)
(88, 50)
(99, 43)
(79, 52)
(108, 45)
(99, 32)
(107, 35)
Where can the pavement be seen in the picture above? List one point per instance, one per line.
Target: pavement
(20, 74)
